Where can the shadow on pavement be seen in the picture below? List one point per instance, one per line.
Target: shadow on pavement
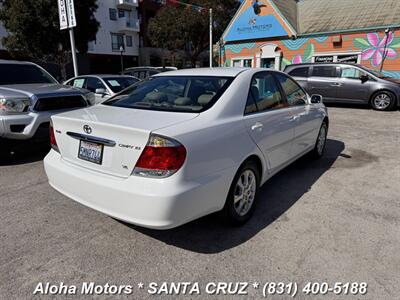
(210, 235)
(23, 152)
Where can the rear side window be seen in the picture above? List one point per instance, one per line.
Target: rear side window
(324, 71)
(264, 94)
(299, 72)
(294, 93)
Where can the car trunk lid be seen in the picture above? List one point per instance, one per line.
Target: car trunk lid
(109, 139)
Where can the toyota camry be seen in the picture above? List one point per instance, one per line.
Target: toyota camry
(184, 144)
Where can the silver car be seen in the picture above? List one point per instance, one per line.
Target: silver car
(103, 86)
(29, 96)
(348, 83)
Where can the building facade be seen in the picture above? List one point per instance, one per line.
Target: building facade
(276, 33)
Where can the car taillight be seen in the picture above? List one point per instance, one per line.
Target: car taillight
(161, 158)
(53, 141)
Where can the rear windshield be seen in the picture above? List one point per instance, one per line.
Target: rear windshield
(23, 74)
(117, 84)
(173, 93)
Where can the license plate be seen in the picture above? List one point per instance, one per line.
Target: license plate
(92, 152)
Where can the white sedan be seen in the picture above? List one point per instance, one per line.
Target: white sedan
(185, 144)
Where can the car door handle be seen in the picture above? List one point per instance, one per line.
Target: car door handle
(294, 118)
(336, 84)
(257, 126)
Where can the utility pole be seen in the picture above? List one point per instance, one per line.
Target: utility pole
(211, 38)
(73, 50)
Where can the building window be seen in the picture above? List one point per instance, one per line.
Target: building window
(113, 14)
(129, 41)
(121, 13)
(237, 63)
(117, 40)
(247, 63)
(242, 62)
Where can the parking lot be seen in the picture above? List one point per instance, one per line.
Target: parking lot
(332, 220)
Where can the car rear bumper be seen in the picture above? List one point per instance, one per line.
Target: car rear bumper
(147, 202)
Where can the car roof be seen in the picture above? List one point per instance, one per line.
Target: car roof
(16, 62)
(322, 64)
(107, 75)
(221, 72)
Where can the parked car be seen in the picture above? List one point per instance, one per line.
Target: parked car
(348, 83)
(29, 96)
(146, 72)
(185, 144)
(103, 86)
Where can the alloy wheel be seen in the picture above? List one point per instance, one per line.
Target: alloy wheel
(321, 140)
(245, 192)
(382, 101)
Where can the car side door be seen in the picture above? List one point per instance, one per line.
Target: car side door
(356, 85)
(306, 120)
(324, 80)
(268, 120)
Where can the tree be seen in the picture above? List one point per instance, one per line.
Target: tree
(34, 32)
(184, 28)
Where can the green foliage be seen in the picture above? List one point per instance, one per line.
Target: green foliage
(34, 31)
(182, 28)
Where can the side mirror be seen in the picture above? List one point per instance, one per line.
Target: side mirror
(316, 99)
(101, 92)
(364, 78)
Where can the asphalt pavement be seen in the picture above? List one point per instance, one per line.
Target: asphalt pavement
(332, 220)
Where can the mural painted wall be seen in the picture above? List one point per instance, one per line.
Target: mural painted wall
(369, 46)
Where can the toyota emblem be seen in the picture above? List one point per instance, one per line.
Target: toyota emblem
(87, 129)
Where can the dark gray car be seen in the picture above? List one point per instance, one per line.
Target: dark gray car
(347, 83)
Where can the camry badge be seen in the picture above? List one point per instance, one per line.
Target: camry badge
(87, 129)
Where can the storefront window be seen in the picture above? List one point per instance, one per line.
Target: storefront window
(247, 63)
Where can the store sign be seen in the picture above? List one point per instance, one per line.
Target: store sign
(324, 59)
(66, 11)
(253, 24)
(348, 58)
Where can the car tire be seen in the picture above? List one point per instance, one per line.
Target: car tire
(320, 144)
(383, 101)
(243, 193)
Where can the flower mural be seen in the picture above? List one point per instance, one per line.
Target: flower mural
(373, 47)
(298, 59)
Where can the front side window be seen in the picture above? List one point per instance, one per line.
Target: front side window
(324, 71)
(118, 84)
(294, 93)
(93, 83)
(352, 73)
(23, 74)
(173, 93)
(265, 93)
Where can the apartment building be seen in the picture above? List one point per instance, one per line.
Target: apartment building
(119, 29)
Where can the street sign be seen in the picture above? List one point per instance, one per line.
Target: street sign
(66, 10)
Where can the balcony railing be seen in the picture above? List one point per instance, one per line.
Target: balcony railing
(128, 25)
